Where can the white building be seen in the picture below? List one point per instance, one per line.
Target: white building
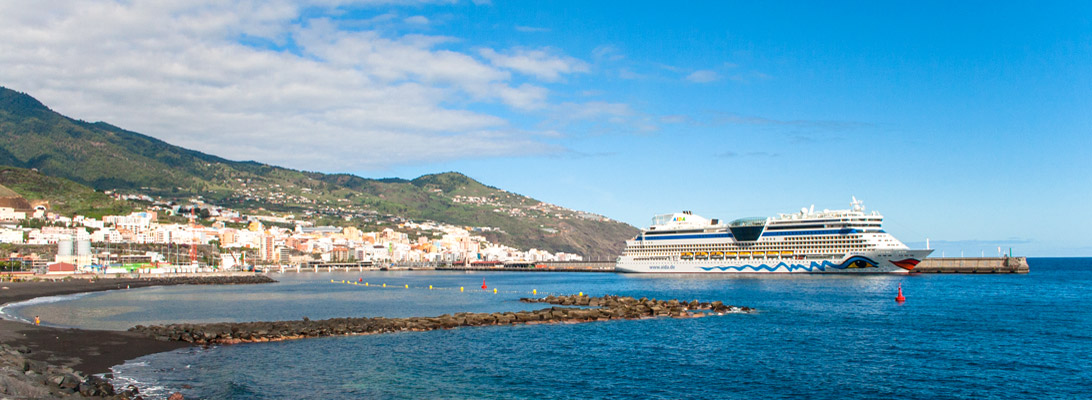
(11, 235)
(136, 222)
(9, 214)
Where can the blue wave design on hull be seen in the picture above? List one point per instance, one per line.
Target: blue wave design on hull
(815, 266)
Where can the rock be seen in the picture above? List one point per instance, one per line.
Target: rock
(87, 389)
(34, 365)
(67, 382)
(606, 308)
(176, 396)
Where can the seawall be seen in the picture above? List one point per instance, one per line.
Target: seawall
(577, 308)
(973, 265)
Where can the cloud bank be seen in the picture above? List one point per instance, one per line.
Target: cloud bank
(283, 82)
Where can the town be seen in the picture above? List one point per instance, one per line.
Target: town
(194, 236)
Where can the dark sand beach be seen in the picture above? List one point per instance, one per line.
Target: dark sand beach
(87, 351)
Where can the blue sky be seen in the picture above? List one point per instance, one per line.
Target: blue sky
(965, 123)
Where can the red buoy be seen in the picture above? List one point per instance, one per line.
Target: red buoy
(361, 280)
(483, 284)
(900, 297)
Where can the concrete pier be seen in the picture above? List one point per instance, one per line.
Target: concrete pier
(951, 265)
(542, 266)
(973, 265)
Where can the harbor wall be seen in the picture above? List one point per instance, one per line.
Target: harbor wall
(973, 265)
(562, 266)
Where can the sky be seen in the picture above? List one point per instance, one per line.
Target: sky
(967, 123)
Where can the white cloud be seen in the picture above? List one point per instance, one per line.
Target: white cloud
(599, 117)
(703, 76)
(416, 20)
(607, 53)
(531, 29)
(336, 100)
(675, 119)
(627, 74)
(538, 63)
(593, 110)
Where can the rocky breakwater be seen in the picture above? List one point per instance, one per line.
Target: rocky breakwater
(586, 309)
(211, 280)
(24, 378)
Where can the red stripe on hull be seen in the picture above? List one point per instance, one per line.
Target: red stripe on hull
(907, 264)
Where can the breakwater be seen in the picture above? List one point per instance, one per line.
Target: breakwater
(574, 309)
(544, 266)
(248, 279)
(973, 265)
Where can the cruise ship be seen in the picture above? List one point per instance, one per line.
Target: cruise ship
(835, 241)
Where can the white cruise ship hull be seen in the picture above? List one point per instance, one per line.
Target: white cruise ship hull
(872, 261)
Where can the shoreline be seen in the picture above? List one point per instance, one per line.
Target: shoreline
(70, 358)
(573, 309)
(89, 351)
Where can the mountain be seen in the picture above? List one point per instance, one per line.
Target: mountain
(106, 157)
(63, 196)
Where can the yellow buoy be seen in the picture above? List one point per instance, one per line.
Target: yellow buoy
(581, 294)
(407, 286)
(494, 290)
(429, 287)
(534, 291)
(460, 288)
(365, 283)
(384, 285)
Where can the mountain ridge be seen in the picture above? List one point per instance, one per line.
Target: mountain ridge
(106, 157)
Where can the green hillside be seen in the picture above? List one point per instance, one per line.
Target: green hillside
(64, 196)
(105, 157)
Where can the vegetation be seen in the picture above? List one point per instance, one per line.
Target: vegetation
(64, 196)
(105, 157)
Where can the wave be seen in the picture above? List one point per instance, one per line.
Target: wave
(122, 376)
(10, 311)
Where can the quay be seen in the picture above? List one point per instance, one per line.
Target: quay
(933, 265)
(543, 266)
(973, 265)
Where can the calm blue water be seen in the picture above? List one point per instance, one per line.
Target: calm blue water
(815, 336)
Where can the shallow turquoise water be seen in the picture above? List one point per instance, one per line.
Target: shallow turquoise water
(815, 336)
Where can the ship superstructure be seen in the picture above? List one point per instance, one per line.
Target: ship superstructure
(808, 241)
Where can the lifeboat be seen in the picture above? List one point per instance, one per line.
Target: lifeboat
(687, 256)
(716, 255)
(702, 256)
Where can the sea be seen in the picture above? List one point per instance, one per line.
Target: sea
(812, 337)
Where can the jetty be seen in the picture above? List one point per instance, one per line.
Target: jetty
(559, 266)
(973, 265)
(567, 309)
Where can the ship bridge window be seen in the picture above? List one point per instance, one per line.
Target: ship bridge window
(747, 229)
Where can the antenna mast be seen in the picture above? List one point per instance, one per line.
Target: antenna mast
(193, 236)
